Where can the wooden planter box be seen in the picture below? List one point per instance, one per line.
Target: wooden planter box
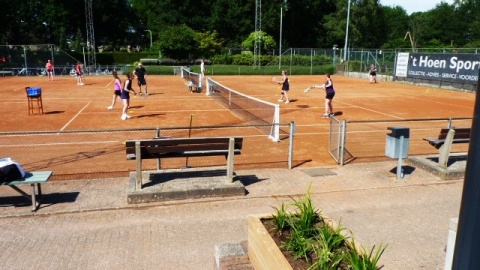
(265, 254)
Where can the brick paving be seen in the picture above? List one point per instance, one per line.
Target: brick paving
(89, 224)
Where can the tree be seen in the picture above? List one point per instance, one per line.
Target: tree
(267, 41)
(208, 43)
(178, 42)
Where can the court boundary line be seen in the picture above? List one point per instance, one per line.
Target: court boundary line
(73, 118)
(371, 110)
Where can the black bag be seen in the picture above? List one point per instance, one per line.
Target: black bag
(10, 170)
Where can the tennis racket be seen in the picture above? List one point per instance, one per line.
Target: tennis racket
(274, 79)
(143, 95)
(307, 90)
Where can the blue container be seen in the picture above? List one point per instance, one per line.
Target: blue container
(34, 92)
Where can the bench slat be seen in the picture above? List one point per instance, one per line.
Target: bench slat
(31, 178)
(184, 154)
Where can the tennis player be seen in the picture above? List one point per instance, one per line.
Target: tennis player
(126, 90)
(49, 67)
(117, 92)
(285, 87)
(373, 74)
(330, 93)
(141, 73)
(79, 73)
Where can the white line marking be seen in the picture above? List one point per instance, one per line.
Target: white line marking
(109, 83)
(75, 116)
(366, 109)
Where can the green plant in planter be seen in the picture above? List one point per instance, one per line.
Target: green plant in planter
(367, 260)
(328, 252)
(280, 218)
(306, 235)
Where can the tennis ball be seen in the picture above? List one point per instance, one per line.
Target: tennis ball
(130, 111)
(123, 142)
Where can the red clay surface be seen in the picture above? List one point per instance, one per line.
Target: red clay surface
(71, 107)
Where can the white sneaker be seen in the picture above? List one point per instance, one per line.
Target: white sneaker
(287, 101)
(110, 107)
(325, 115)
(82, 83)
(124, 117)
(128, 116)
(332, 114)
(280, 100)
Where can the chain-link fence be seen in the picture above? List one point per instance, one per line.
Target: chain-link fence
(366, 140)
(90, 154)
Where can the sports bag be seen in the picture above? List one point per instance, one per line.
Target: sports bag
(10, 170)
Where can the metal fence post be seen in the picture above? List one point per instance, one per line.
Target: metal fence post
(343, 134)
(290, 148)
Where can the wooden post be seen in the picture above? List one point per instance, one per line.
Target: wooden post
(138, 157)
(231, 154)
(445, 149)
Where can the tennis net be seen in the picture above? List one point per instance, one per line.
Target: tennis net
(251, 109)
(192, 76)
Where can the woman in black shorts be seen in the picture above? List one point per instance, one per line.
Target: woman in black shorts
(330, 93)
(285, 87)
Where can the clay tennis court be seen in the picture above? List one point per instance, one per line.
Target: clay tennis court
(70, 107)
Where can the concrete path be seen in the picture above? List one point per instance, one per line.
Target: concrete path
(89, 225)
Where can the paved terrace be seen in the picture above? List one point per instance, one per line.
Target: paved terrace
(87, 224)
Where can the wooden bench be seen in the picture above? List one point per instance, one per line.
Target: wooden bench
(183, 148)
(33, 179)
(445, 139)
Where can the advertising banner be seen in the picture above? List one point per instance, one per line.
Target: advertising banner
(459, 68)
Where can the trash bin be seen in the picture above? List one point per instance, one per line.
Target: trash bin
(398, 142)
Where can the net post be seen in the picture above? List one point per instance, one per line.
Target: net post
(207, 90)
(275, 133)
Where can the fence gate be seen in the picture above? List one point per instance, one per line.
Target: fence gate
(336, 142)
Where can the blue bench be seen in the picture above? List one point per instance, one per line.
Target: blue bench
(33, 179)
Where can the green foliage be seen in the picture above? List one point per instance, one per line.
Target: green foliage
(267, 42)
(208, 43)
(280, 218)
(310, 239)
(110, 58)
(367, 261)
(178, 42)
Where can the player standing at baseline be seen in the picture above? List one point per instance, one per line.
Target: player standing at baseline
(373, 73)
(141, 73)
(79, 73)
(330, 93)
(285, 87)
(49, 68)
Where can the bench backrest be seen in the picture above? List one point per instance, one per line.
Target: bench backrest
(460, 133)
(178, 145)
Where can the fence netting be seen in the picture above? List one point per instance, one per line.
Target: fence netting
(366, 140)
(101, 153)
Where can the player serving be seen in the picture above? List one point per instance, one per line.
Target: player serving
(330, 93)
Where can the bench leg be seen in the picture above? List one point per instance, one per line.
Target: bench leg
(138, 174)
(445, 149)
(34, 199)
(230, 160)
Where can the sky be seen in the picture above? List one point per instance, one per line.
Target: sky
(414, 5)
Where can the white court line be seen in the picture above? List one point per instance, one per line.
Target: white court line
(441, 103)
(366, 109)
(75, 116)
(109, 83)
(52, 144)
